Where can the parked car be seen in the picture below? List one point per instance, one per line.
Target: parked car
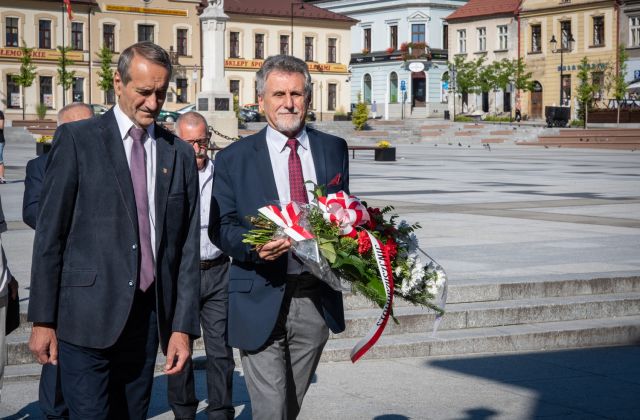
(311, 116)
(98, 109)
(167, 116)
(186, 109)
(253, 107)
(249, 115)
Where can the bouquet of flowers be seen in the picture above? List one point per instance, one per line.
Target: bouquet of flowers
(339, 238)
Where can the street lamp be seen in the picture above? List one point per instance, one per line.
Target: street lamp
(562, 49)
(301, 7)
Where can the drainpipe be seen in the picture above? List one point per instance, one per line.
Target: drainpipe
(90, 59)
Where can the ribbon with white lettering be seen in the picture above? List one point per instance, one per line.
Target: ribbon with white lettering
(386, 275)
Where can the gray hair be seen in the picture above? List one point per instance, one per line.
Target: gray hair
(190, 118)
(286, 64)
(73, 106)
(147, 50)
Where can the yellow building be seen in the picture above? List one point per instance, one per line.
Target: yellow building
(42, 24)
(258, 29)
(580, 28)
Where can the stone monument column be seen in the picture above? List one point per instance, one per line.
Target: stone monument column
(215, 102)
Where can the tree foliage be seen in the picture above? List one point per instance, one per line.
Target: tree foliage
(65, 77)
(105, 74)
(27, 72)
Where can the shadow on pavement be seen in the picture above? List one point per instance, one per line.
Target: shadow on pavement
(584, 383)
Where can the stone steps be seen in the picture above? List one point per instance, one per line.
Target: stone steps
(489, 317)
(511, 338)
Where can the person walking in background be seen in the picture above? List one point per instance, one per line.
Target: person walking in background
(115, 268)
(2, 142)
(214, 278)
(50, 393)
(278, 313)
(8, 288)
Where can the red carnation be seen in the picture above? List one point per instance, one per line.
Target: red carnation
(364, 245)
(391, 248)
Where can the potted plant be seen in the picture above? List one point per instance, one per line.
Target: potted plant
(365, 51)
(384, 152)
(43, 144)
(390, 50)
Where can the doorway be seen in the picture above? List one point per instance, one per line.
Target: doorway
(418, 89)
(536, 101)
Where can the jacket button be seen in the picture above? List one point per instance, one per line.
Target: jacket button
(130, 283)
(134, 246)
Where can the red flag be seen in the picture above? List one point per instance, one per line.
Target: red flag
(67, 3)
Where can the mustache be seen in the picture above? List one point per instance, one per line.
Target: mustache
(295, 111)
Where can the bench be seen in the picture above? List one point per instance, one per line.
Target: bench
(354, 148)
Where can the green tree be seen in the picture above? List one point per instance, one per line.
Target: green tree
(65, 77)
(585, 91)
(466, 74)
(616, 83)
(27, 73)
(360, 115)
(106, 72)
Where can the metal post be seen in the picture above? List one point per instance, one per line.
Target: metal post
(561, 69)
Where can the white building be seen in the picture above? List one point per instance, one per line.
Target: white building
(398, 48)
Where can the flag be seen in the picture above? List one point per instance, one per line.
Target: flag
(67, 4)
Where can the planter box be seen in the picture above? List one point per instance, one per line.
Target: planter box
(341, 118)
(387, 154)
(42, 148)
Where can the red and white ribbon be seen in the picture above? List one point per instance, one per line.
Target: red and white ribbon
(386, 274)
(288, 218)
(344, 210)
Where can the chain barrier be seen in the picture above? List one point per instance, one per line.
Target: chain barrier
(224, 136)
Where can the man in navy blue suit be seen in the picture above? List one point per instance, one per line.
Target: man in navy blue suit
(34, 178)
(116, 265)
(50, 394)
(279, 314)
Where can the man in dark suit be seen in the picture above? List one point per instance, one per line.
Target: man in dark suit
(50, 393)
(115, 266)
(34, 178)
(279, 315)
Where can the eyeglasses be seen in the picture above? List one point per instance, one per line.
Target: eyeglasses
(201, 142)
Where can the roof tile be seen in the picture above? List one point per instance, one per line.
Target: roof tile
(478, 8)
(282, 8)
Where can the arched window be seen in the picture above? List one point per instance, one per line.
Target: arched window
(367, 89)
(393, 87)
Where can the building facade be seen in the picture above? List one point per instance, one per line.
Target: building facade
(116, 24)
(630, 37)
(398, 54)
(258, 29)
(488, 30)
(580, 28)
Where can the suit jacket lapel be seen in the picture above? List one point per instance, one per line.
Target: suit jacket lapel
(165, 160)
(114, 146)
(319, 158)
(264, 169)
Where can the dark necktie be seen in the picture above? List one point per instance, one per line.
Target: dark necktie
(296, 180)
(139, 179)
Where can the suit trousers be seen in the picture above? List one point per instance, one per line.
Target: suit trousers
(50, 396)
(214, 299)
(279, 373)
(4, 301)
(113, 383)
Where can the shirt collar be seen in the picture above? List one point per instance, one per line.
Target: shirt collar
(280, 140)
(125, 123)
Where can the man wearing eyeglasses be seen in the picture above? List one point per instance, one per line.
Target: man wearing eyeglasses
(214, 266)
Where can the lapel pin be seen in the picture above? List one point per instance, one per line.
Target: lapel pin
(165, 170)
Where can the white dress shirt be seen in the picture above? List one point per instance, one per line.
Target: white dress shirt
(208, 251)
(124, 124)
(279, 155)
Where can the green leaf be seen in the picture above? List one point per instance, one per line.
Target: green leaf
(328, 250)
